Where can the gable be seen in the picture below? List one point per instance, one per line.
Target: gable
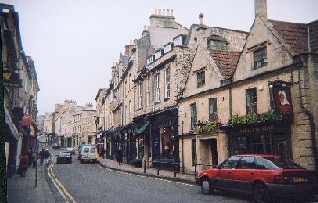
(278, 53)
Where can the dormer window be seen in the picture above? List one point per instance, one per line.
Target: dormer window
(179, 40)
(158, 54)
(217, 42)
(150, 59)
(260, 56)
(168, 47)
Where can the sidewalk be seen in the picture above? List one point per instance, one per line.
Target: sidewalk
(22, 189)
(164, 174)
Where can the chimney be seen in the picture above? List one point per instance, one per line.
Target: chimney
(260, 8)
(201, 18)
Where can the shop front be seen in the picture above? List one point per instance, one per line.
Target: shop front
(267, 138)
(165, 143)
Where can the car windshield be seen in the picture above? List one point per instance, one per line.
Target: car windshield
(282, 162)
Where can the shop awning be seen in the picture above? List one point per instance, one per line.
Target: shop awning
(142, 128)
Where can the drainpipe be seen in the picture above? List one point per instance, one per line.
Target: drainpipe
(312, 124)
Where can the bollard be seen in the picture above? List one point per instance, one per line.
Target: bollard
(158, 172)
(175, 171)
(144, 166)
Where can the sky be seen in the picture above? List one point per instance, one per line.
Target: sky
(74, 43)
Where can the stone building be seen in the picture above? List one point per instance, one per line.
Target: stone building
(194, 97)
(274, 90)
(125, 103)
(74, 124)
(203, 106)
(20, 89)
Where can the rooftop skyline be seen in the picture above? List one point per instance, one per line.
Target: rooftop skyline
(75, 43)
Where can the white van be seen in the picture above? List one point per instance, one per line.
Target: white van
(88, 153)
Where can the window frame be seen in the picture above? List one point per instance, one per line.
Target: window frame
(193, 113)
(213, 114)
(259, 57)
(251, 101)
(140, 95)
(167, 81)
(200, 79)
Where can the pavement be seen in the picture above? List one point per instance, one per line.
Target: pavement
(22, 189)
(152, 172)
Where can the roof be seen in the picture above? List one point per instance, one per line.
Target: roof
(301, 37)
(226, 62)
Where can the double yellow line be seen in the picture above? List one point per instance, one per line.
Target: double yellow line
(59, 186)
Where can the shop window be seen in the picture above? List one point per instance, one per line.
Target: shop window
(200, 79)
(167, 140)
(193, 109)
(251, 101)
(260, 56)
(213, 109)
(194, 153)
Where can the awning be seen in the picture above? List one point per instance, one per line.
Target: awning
(142, 128)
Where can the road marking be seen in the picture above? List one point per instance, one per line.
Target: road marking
(59, 186)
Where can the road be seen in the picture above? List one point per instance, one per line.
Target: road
(92, 183)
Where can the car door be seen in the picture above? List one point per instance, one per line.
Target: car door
(244, 174)
(224, 177)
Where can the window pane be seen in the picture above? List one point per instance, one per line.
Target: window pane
(212, 108)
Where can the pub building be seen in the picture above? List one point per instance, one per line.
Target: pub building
(268, 132)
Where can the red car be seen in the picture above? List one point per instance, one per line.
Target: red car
(265, 176)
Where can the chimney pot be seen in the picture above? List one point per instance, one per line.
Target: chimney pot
(171, 12)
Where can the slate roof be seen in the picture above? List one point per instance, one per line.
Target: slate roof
(297, 35)
(226, 62)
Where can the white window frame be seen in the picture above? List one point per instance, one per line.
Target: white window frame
(167, 81)
(157, 87)
(139, 95)
(148, 91)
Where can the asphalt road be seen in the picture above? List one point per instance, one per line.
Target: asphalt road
(91, 183)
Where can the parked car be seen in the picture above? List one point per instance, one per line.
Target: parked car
(88, 153)
(265, 176)
(70, 149)
(64, 157)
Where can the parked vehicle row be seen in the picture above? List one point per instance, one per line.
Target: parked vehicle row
(266, 177)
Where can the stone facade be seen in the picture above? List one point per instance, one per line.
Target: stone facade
(229, 92)
(20, 89)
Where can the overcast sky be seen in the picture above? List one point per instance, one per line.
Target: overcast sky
(75, 42)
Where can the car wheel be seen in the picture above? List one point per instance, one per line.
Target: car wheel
(261, 194)
(206, 187)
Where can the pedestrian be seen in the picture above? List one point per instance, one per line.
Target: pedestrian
(41, 156)
(23, 165)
